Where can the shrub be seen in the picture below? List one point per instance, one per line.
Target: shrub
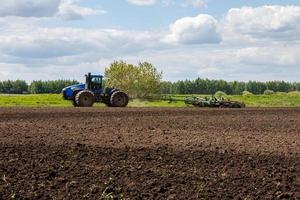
(269, 92)
(220, 94)
(247, 93)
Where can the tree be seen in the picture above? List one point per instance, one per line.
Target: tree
(36, 87)
(166, 87)
(297, 86)
(19, 87)
(148, 80)
(1, 88)
(7, 86)
(138, 81)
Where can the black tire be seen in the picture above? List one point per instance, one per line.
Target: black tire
(242, 105)
(74, 99)
(119, 99)
(106, 100)
(236, 105)
(74, 103)
(85, 98)
(108, 104)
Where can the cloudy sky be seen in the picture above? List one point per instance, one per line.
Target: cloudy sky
(230, 39)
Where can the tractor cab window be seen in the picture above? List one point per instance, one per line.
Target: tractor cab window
(96, 83)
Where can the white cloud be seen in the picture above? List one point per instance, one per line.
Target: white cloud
(142, 2)
(275, 56)
(194, 3)
(65, 9)
(29, 8)
(276, 22)
(218, 62)
(201, 29)
(60, 42)
(258, 44)
(69, 10)
(225, 62)
(168, 2)
(185, 3)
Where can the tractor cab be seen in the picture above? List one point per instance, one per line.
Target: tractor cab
(94, 83)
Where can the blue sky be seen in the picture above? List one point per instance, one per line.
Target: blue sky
(120, 13)
(231, 40)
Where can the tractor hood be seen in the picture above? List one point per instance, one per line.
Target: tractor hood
(68, 92)
(74, 87)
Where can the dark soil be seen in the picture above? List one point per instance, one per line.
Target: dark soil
(149, 153)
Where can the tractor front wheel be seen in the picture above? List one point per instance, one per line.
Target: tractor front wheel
(85, 98)
(74, 103)
(119, 99)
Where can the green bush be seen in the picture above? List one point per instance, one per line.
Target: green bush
(220, 94)
(247, 93)
(269, 92)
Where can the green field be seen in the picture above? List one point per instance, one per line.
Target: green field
(55, 100)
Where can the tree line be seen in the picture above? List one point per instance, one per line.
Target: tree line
(144, 79)
(198, 86)
(206, 86)
(35, 87)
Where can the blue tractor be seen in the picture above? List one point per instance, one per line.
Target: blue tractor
(85, 95)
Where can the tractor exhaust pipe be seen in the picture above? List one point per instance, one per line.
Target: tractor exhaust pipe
(88, 81)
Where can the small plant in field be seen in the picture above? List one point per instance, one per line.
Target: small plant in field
(269, 92)
(247, 93)
(106, 195)
(108, 192)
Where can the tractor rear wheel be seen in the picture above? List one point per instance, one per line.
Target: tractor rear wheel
(119, 99)
(85, 98)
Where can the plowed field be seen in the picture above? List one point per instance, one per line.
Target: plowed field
(149, 153)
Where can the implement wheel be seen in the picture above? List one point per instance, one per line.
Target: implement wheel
(85, 98)
(119, 99)
(238, 105)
